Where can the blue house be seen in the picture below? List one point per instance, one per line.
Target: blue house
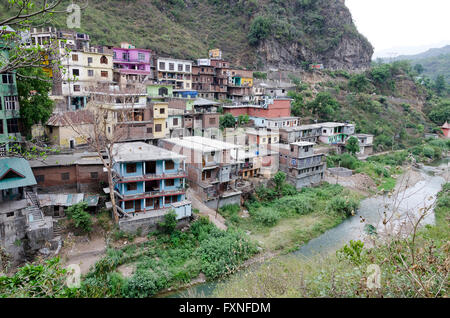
(149, 181)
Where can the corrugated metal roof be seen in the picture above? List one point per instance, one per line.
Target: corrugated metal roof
(11, 172)
(67, 199)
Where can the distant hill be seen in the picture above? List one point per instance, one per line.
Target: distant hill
(434, 61)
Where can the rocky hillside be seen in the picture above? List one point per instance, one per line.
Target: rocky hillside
(258, 34)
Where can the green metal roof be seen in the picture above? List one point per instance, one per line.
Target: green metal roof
(15, 173)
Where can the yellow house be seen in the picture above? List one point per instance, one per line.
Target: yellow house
(247, 81)
(160, 114)
(69, 129)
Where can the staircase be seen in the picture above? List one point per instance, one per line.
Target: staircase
(31, 195)
(35, 209)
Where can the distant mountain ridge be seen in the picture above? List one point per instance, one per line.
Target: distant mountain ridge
(427, 54)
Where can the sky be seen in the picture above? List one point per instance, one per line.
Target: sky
(397, 27)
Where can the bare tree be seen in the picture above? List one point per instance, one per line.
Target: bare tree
(109, 111)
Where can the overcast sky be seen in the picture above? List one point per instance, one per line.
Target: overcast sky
(402, 26)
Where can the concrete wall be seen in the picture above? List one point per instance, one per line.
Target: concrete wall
(146, 225)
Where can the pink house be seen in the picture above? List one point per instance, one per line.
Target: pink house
(446, 130)
(131, 65)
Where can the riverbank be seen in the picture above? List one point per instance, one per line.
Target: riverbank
(317, 271)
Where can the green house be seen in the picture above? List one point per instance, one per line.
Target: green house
(15, 175)
(9, 107)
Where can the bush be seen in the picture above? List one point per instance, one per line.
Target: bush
(170, 222)
(267, 216)
(144, 284)
(81, 218)
(343, 205)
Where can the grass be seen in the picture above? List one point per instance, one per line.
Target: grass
(346, 273)
(290, 221)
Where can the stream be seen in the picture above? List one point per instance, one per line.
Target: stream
(371, 209)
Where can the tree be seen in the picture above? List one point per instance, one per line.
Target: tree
(279, 178)
(440, 86)
(35, 105)
(170, 222)
(260, 29)
(419, 68)
(352, 145)
(227, 121)
(106, 129)
(323, 106)
(440, 113)
(243, 119)
(78, 214)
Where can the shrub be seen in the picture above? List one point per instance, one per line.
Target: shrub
(267, 216)
(81, 218)
(170, 222)
(343, 205)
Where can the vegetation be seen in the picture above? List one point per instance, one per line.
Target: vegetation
(227, 121)
(352, 145)
(82, 219)
(412, 267)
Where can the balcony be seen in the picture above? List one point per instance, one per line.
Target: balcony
(150, 194)
(153, 176)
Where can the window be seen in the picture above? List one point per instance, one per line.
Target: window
(131, 167)
(1, 126)
(163, 91)
(11, 103)
(10, 214)
(104, 73)
(149, 202)
(94, 175)
(12, 125)
(170, 165)
(141, 56)
(90, 73)
(125, 56)
(75, 57)
(129, 205)
(114, 55)
(171, 199)
(103, 60)
(206, 174)
(65, 176)
(175, 121)
(169, 182)
(7, 79)
(162, 65)
(40, 178)
(212, 121)
(158, 127)
(76, 72)
(171, 66)
(187, 68)
(180, 67)
(131, 186)
(149, 130)
(76, 88)
(162, 110)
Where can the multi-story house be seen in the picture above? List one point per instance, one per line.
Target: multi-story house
(276, 123)
(9, 111)
(240, 83)
(336, 133)
(212, 168)
(269, 108)
(177, 73)
(203, 120)
(257, 157)
(310, 133)
(132, 65)
(365, 144)
(302, 167)
(148, 182)
(128, 115)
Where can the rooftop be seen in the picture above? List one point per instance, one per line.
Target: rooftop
(140, 151)
(303, 143)
(15, 173)
(84, 158)
(333, 124)
(302, 127)
(78, 117)
(202, 143)
(204, 102)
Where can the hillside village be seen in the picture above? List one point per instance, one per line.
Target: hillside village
(141, 135)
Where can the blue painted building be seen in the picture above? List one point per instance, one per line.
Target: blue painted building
(149, 180)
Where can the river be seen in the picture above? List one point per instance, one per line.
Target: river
(371, 210)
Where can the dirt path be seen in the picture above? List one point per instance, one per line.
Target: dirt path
(213, 216)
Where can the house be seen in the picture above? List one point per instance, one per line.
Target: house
(257, 157)
(211, 166)
(365, 144)
(336, 133)
(269, 108)
(310, 133)
(149, 181)
(174, 72)
(203, 120)
(69, 130)
(240, 83)
(276, 123)
(132, 65)
(446, 130)
(302, 166)
(9, 106)
(23, 227)
(77, 172)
